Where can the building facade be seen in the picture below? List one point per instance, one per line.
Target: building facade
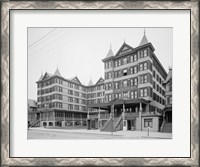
(167, 123)
(130, 97)
(134, 91)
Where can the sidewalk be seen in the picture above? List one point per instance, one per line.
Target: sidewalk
(123, 134)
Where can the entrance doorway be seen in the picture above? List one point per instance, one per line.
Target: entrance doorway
(168, 116)
(38, 116)
(131, 124)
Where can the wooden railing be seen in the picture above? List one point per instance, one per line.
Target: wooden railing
(131, 115)
(93, 116)
(104, 116)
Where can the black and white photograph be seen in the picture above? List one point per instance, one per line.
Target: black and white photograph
(99, 83)
(94, 83)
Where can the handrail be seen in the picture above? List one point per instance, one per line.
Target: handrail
(104, 116)
(119, 119)
(34, 123)
(128, 115)
(106, 123)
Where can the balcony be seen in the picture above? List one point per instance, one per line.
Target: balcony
(131, 115)
(128, 88)
(104, 116)
(93, 116)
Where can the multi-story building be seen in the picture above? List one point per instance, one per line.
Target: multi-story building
(167, 123)
(134, 91)
(63, 102)
(130, 97)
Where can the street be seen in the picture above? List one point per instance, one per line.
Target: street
(41, 133)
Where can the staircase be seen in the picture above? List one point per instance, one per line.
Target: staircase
(118, 123)
(167, 128)
(113, 124)
(35, 123)
(108, 126)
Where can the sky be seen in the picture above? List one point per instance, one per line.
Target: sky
(79, 51)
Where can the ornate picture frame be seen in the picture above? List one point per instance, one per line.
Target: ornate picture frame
(7, 6)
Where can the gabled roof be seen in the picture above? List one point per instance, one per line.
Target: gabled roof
(75, 79)
(101, 80)
(90, 83)
(46, 75)
(144, 40)
(57, 72)
(125, 48)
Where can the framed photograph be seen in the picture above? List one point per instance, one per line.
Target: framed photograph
(100, 83)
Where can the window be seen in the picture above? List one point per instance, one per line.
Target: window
(135, 82)
(157, 77)
(131, 70)
(70, 106)
(154, 85)
(109, 75)
(170, 100)
(125, 60)
(109, 64)
(115, 63)
(60, 81)
(76, 107)
(120, 95)
(125, 84)
(76, 93)
(109, 97)
(135, 94)
(125, 95)
(124, 72)
(145, 65)
(76, 100)
(141, 54)
(143, 92)
(106, 65)
(70, 99)
(116, 75)
(119, 62)
(132, 95)
(145, 53)
(145, 78)
(131, 82)
(109, 86)
(116, 85)
(70, 92)
(154, 74)
(76, 87)
(148, 123)
(135, 57)
(131, 58)
(99, 101)
(135, 69)
(141, 67)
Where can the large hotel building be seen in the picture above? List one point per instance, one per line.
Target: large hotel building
(130, 97)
